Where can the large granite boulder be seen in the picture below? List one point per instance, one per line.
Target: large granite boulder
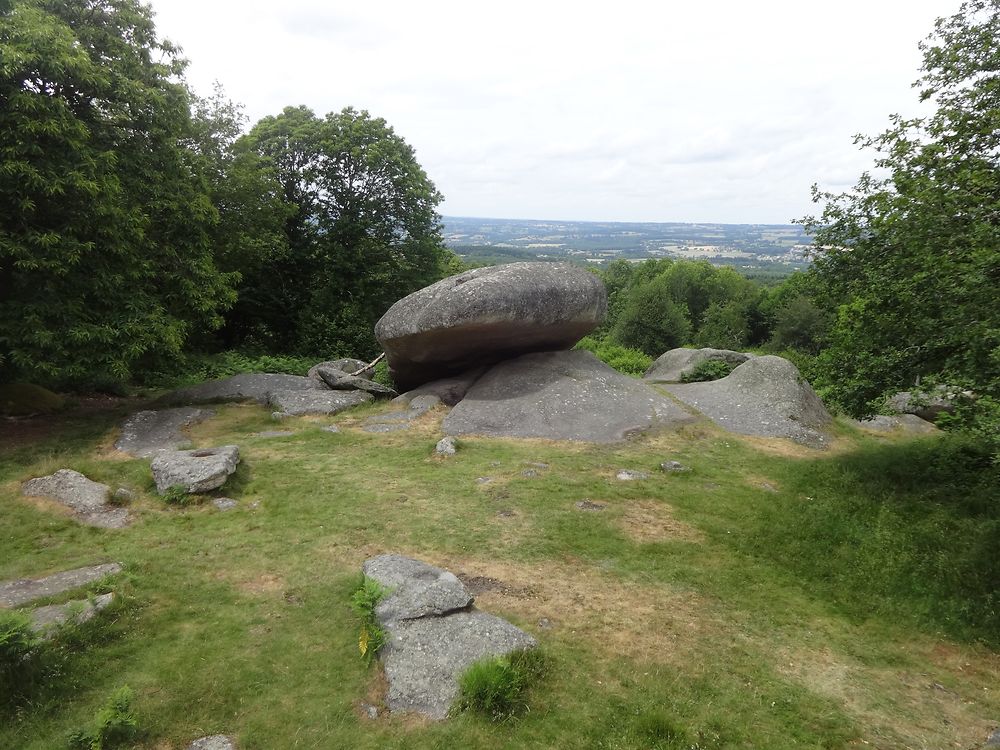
(487, 315)
(672, 366)
(246, 387)
(196, 471)
(765, 396)
(146, 433)
(434, 634)
(928, 405)
(89, 500)
(560, 396)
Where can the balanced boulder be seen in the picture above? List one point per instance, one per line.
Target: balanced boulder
(672, 366)
(487, 315)
(560, 396)
(196, 471)
(765, 396)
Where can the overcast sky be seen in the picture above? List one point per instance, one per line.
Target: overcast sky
(722, 111)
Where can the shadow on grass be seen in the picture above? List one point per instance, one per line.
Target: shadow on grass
(908, 530)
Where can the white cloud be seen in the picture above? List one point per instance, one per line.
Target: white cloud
(724, 111)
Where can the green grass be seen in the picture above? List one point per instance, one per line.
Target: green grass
(768, 598)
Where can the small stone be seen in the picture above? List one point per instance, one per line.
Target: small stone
(278, 416)
(631, 475)
(537, 464)
(545, 623)
(331, 428)
(199, 470)
(370, 711)
(214, 742)
(993, 740)
(446, 446)
(484, 480)
(529, 473)
(495, 464)
(768, 487)
(674, 467)
(123, 496)
(589, 505)
(224, 503)
(506, 513)
(377, 427)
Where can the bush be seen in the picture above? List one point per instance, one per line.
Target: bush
(364, 600)
(709, 369)
(495, 687)
(18, 654)
(113, 725)
(177, 495)
(622, 358)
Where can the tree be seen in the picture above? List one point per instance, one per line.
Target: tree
(362, 233)
(911, 256)
(105, 223)
(651, 320)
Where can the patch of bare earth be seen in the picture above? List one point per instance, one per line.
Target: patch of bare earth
(895, 708)
(649, 521)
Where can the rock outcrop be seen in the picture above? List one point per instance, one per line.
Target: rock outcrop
(434, 634)
(927, 405)
(196, 471)
(338, 380)
(907, 423)
(146, 433)
(765, 396)
(566, 395)
(89, 500)
(316, 402)
(246, 387)
(24, 590)
(346, 364)
(672, 366)
(487, 315)
(46, 620)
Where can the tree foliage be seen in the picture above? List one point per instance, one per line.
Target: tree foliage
(911, 256)
(362, 232)
(105, 222)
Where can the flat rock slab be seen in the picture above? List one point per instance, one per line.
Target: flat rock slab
(672, 366)
(87, 499)
(908, 423)
(487, 315)
(24, 590)
(765, 396)
(147, 432)
(434, 634)
(416, 588)
(327, 402)
(424, 658)
(561, 396)
(214, 742)
(196, 471)
(45, 620)
(246, 387)
(631, 475)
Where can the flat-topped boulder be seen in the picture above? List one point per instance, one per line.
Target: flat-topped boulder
(148, 432)
(89, 500)
(487, 315)
(316, 402)
(200, 470)
(765, 396)
(673, 366)
(245, 387)
(24, 590)
(434, 634)
(565, 395)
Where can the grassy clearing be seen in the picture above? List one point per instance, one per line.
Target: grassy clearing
(769, 598)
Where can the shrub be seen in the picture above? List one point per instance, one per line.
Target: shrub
(114, 724)
(495, 687)
(364, 600)
(709, 369)
(177, 495)
(18, 654)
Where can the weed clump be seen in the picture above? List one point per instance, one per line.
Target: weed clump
(114, 724)
(177, 495)
(19, 652)
(495, 687)
(365, 599)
